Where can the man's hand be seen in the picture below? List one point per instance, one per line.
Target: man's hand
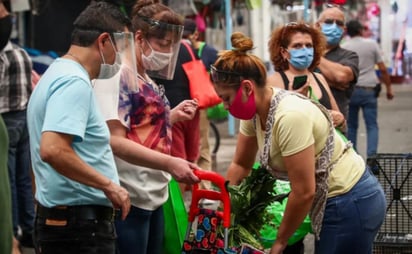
(119, 197)
(182, 170)
(389, 93)
(186, 110)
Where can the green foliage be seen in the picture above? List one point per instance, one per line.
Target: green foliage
(248, 202)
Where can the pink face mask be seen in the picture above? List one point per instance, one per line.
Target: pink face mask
(243, 110)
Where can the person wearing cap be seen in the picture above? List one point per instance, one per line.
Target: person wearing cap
(339, 66)
(365, 95)
(77, 184)
(140, 121)
(208, 55)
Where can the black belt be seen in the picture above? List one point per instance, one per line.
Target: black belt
(82, 212)
(366, 87)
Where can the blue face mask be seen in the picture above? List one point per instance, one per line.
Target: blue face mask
(333, 33)
(301, 58)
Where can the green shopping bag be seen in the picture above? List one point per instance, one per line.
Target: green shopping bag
(217, 113)
(269, 231)
(176, 220)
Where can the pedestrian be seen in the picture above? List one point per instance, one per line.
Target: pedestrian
(15, 86)
(208, 55)
(140, 119)
(339, 66)
(185, 134)
(6, 234)
(367, 88)
(295, 50)
(77, 185)
(297, 141)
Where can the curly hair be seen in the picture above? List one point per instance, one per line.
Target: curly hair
(281, 37)
(238, 60)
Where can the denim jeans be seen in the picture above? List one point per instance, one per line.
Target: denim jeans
(141, 232)
(364, 99)
(77, 236)
(352, 220)
(19, 171)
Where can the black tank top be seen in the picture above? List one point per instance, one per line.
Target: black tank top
(324, 99)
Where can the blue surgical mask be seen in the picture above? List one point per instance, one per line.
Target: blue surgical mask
(301, 58)
(333, 33)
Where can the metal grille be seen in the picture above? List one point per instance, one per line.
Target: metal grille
(394, 173)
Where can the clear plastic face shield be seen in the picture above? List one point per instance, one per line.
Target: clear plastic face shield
(107, 90)
(163, 40)
(126, 52)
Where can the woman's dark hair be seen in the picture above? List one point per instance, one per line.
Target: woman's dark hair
(239, 61)
(154, 19)
(280, 39)
(97, 18)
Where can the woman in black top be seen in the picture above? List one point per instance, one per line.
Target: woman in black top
(295, 50)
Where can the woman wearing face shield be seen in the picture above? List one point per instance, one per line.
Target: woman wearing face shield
(141, 123)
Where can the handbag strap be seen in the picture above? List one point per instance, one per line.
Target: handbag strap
(201, 47)
(189, 48)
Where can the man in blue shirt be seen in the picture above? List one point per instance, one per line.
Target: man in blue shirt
(77, 184)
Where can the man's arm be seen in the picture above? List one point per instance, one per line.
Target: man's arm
(386, 80)
(56, 149)
(138, 154)
(337, 75)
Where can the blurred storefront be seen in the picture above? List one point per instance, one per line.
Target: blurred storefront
(47, 24)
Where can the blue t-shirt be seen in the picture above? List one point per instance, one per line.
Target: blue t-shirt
(63, 101)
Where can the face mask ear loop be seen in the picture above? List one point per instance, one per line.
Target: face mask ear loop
(101, 55)
(115, 51)
(150, 46)
(111, 42)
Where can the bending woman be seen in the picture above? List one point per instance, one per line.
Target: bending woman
(297, 141)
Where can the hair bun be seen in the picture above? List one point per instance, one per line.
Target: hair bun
(241, 43)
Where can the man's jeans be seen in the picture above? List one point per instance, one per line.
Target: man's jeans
(19, 171)
(75, 236)
(142, 232)
(352, 220)
(364, 99)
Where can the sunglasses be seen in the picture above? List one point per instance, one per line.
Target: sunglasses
(220, 76)
(336, 21)
(335, 5)
(291, 24)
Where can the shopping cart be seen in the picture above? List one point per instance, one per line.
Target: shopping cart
(204, 238)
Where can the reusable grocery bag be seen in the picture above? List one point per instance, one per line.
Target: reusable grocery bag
(176, 220)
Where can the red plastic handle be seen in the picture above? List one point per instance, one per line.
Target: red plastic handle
(198, 194)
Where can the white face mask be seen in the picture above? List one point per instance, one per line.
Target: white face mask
(109, 70)
(156, 60)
